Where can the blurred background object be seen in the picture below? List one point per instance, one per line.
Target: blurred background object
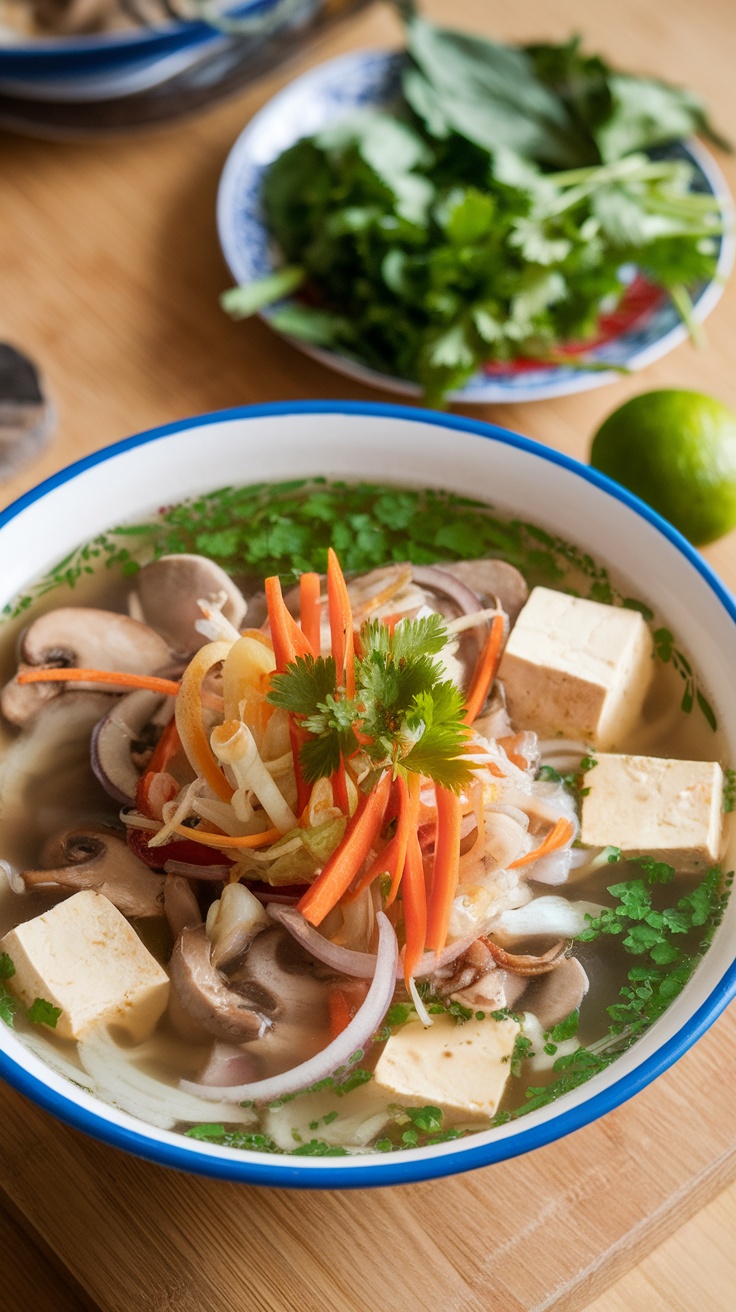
(26, 417)
(86, 67)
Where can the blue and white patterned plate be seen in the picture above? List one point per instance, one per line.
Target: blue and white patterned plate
(365, 78)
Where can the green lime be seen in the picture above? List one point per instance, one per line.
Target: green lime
(676, 450)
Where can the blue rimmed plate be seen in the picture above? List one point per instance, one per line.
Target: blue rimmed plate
(648, 328)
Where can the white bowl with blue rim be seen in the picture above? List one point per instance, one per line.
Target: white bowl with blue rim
(370, 78)
(105, 64)
(355, 441)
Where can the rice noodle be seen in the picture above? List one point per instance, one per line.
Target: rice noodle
(338, 1056)
(176, 812)
(215, 626)
(234, 746)
(134, 820)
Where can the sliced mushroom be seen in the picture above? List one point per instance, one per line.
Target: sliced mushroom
(168, 591)
(276, 992)
(553, 998)
(233, 922)
(208, 997)
(124, 739)
(180, 905)
(99, 858)
(83, 638)
(492, 580)
(550, 917)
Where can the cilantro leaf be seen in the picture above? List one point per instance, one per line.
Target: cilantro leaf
(42, 1012)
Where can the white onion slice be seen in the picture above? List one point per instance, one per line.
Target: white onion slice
(13, 876)
(121, 1082)
(341, 1053)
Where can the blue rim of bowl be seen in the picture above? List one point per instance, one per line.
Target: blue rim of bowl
(145, 39)
(388, 1170)
(555, 380)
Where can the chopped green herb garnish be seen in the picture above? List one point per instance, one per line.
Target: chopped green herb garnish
(7, 968)
(425, 1118)
(318, 1148)
(42, 1012)
(729, 790)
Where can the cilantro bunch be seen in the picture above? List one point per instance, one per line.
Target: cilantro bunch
(405, 714)
(487, 215)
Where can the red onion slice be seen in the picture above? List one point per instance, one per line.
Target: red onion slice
(339, 1055)
(447, 584)
(361, 965)
(191, 871)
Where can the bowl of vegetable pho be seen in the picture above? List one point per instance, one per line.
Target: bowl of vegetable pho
(355, 831)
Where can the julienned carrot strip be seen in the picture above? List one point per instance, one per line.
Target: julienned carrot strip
(556, 838)
(288, 639)
(406, 826)
(341, 623)
(485, 670)
(168, 687)
(309, 610)
(340, 788)
(166, 748)
(288, 643)
(228, 840)
(383, 864)
(347, 859)
(340, 1012)
(446, 868)
(189, 722)
(414, 898)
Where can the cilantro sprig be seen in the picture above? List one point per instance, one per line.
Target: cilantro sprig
(405, 715)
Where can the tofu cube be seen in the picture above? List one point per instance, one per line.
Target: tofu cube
(577, 668)
(84, 957)
(646, 804)
(460, 1068)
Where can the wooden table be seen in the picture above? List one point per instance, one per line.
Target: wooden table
(110, 271)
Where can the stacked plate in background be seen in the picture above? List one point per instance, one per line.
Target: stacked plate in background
(152, 70)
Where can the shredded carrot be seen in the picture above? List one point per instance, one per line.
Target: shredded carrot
(341, 868)
(340, 1013)
(383, 864)
(166, 748)
(288, 643)
(485, 670)
(73, 675)
(309, 610)
(406, 826)
(207, 839)
(446, 868)
(556, 838)
(341, 623)
(340, 788)
(414, 898)
(344, 1002)
(189, 722)
(288, 639)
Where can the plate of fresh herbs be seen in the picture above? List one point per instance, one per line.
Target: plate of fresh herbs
(477, 222)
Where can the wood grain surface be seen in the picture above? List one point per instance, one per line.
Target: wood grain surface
(109, 277)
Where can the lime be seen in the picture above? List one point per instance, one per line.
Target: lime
(676, 450)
